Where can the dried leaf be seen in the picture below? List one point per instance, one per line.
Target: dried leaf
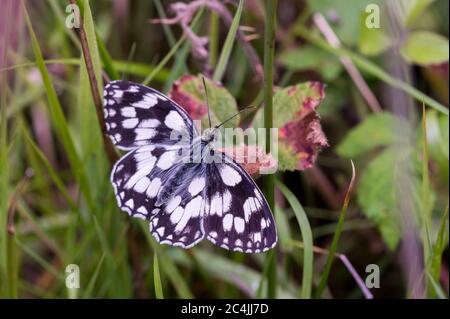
(300, 136)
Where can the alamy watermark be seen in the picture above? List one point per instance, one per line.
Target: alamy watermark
(372, 20)
(73, 18)
(373, 277)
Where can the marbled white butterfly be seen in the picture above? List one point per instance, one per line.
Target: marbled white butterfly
(184, 201)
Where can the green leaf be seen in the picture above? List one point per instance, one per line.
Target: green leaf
(378, 192)
(189, 92)
(376, 130)
(425, 48)
(414, 8)
(372, 69)
(438, 142)
(372, 41)
(311, 58)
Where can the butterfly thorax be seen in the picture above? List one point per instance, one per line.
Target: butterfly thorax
(209, 135)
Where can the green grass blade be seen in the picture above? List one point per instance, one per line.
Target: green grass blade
(437, 287)
(108, 63)
(426, 210)
(307, 239)
(41, 261)
(91, 284)
(134, 68)
(337, 234)
(157, 278)
(89, 28)
(434, 267)
(167, 265)
(4, 169)
(228, 45)
(57, 115)
(53, 174)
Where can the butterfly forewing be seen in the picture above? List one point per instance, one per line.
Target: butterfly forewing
(184, 201)
(137, 115)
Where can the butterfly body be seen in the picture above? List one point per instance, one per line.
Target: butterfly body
(174, 178)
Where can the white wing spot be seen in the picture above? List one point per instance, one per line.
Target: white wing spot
(213, 234)
(118, 94)
(142, 185)
(239, 225)
(127, 111)
(196, 186)
(230, 176)
(263, 223)
(130, 203)
(174, 121)
(226, 201)
(144, 133)
(166, 160)
(160, 231)
(216, 205)
(173, 203)
(227, 222)
(176, 215)
(130, 123)
(142, 210)
(150, 123)
(133, 89)
(147, 102)
(154, 187)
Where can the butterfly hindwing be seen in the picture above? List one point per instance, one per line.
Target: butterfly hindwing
(139, 176)
(180, 221)
(136, 115)
(238, 217)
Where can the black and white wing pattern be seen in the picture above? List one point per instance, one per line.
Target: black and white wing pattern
(183, 201)
(143, 120)
(238, 217)
(136, 115)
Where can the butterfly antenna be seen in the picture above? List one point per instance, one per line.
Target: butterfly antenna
(232, 117)
(207, 103)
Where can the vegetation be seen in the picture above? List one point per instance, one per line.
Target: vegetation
(363, 155)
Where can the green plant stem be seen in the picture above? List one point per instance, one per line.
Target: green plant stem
(269, 185)
(213, 38)
(94, 72)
